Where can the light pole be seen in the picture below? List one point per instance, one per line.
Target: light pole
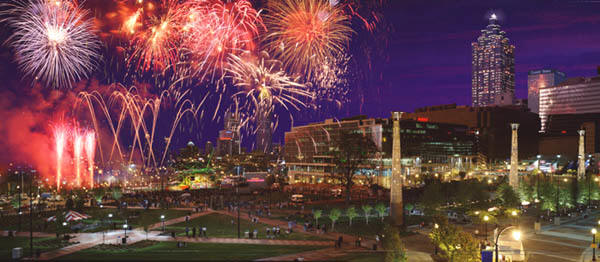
(537, 190)
(485, 220)
(515, 214)
(594, 231)
(162, 218)
(125, 229)
(516, 235)
(436, 226)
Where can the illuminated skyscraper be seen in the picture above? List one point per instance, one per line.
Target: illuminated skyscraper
(229, 138)
(537, 79)
(264, 132)
(493, 79)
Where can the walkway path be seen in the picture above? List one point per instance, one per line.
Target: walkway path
(87, 240)
(244, 241)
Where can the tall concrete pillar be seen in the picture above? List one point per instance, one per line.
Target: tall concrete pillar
(581, 166)
(513, 178)
(396, 207)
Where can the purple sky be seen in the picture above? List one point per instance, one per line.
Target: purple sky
(431, 52)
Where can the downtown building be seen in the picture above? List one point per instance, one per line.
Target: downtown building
(577, 95)
(228, 142)
(426, 148)
(493, 67)
(491, 126)
(538, 79)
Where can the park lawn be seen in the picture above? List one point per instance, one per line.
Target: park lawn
(168, 251)
(44, 244)
(219, 225)
(137, 218)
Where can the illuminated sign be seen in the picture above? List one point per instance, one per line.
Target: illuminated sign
(422, 119)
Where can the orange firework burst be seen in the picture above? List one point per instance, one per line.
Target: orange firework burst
(155, 45)
(213, 30)
(303, 33)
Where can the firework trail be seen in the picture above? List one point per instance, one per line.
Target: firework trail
(60, 139)
(53, 41)
(77, 150)
(212, 30)
(303, 33)
(129, 107)
(262, 85)
(155, 46)
(90, 150)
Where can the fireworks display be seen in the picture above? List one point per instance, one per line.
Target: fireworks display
(303, 34)
(254, 58)
(54, 42)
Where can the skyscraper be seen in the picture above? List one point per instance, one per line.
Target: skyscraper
(537, 79)
(229, 138)
(493, 79)
(263, 128)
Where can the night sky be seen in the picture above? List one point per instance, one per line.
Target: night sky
(431, 52)
(427, 60)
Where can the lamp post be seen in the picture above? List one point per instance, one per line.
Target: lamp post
(436, 226)
(516, 235)
(515, 215)
(594, 231)
(125, 229)
(485, 220)
(537, 190)
(162, 218)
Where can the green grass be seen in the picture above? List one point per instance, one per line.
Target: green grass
(136, 218)
(43, 244)
(218, 225)
(168, 251)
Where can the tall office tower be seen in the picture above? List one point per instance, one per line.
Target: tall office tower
(537, 79)
(229, 138)
(493, 79)
(263, 126)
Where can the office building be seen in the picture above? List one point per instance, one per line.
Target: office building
(493, 65)
(228, 142)
(561, 135)
(541, 78)
(264, 131)
(492, 126)
(578, 95)
(426, 147)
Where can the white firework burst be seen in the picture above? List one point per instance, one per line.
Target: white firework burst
(54, 41)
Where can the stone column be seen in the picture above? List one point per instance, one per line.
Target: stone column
(396, 207)
(581, 159)
(513, 178)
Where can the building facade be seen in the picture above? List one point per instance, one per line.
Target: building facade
(426, 147)
(578, 95)
(542, 78)
(228, 142)
(264, 131)
(491, 126)
(493, 67)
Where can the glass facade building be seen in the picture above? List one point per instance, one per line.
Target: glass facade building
(577, 95)
(426, 147)
(537, 79)
(493, 65)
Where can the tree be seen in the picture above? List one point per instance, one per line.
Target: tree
(350, 150)
(317, 214)
(396, 252)
(456, 245)
(432, 198)
(367, 210)
(508, 196)
(117, 194)
(351, 214)
(334, 215)
(381, 208)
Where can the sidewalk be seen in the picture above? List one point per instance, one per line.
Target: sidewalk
(177, 220)
(244, 241)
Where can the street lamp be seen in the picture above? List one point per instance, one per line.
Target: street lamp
(516, 234)
(125, 229)
(515, 215)
(594, 231)
(162, 218)
(485, 219)
(436, 226)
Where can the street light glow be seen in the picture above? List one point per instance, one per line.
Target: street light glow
(594, 231)
(486, 218)
(516, 234)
